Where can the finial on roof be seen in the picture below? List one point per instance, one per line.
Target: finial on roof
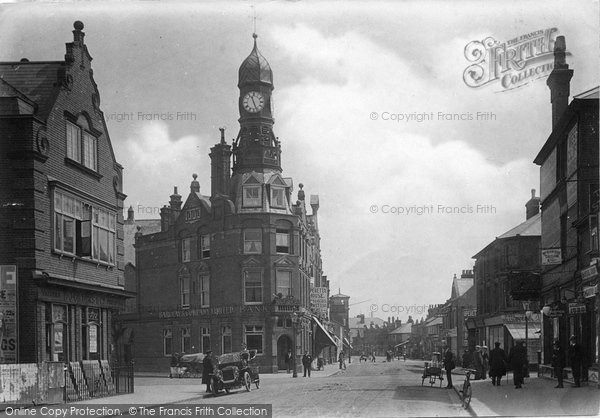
(77, 33)
(222, 135)
(195, 186)
(78, 25)
(301, 192)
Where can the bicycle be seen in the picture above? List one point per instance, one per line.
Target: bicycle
(467, 391)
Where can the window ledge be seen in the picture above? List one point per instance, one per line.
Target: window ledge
(81, 167)
(74, 257)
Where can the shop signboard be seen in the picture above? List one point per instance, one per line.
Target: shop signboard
(590, 291)
(551, 256)
(589, 273)
(318, 300)
(577, 308)
(8, 314)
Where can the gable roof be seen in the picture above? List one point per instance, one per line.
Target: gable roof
(403, 329)
(39, 81)
(147, 227)
(532, 227)
(460, 286)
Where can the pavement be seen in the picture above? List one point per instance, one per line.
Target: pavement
(373, 389)
(538, 397)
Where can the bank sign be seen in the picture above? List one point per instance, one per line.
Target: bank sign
(8, 314)
(512, 63)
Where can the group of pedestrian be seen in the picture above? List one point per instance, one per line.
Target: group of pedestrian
(575, 354)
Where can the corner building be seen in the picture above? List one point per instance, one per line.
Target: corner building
(231, 269)
(61, 234)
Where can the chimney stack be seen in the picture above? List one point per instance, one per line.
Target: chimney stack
(559, 81)
(220, 167)
(130, 215)
(175, 204)
(532, 207)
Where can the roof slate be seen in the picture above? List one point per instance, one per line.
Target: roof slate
(39, 81)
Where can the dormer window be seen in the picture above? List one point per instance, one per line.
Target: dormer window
(277, 197)
(81, 144)
(252, 196)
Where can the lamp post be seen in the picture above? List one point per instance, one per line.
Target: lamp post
(295, 352)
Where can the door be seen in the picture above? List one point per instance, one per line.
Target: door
(284, 343)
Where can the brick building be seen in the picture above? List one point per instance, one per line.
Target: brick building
(510, 257)
(568, 164)
(61, 211)
(232, 268)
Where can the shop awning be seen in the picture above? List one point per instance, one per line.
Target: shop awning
(401, 344)
(347, 343)
(517, 331)
(323, 336)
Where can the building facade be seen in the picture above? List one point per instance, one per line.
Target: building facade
(568, 164)
(461, 305)
(502, 317)
(61, 239)
(232, 269)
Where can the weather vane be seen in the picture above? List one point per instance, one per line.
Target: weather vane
(254, 18)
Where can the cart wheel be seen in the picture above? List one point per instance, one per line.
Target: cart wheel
(466, 397)
(214, 387)
(257, 383)
(247, 381)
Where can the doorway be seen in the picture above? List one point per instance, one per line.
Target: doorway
(284, 343)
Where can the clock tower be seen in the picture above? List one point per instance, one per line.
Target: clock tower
(256, 148)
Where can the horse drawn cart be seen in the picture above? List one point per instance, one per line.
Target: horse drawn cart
(433, 370)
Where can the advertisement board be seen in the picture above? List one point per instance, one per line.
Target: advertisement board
(8, 314)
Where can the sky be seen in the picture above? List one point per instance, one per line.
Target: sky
(370, 104)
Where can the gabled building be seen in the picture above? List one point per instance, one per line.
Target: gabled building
(461, 303)
(232, 268)
(568, 164)
(61, 235)
(500, 267)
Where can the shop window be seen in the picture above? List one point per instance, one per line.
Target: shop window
(205, 339)
(186, 340)
(252, 287)
(227, 344)
(254, 338)
(284, 283)
(204, 290)
(282, 241)
(57, 333)
(167, 342)
(253, 241)
(252, 196)
(205, 246)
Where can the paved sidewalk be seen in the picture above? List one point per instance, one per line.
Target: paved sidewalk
(183, 389)
(538, 397)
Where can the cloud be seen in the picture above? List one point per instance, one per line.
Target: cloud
(155, 162)
(356, 162)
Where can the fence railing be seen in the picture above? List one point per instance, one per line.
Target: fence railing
(89, 379)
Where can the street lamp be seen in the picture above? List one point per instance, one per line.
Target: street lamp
(294, 325)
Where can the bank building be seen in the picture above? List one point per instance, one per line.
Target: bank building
(233, 268)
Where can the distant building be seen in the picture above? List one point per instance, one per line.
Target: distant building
(61, 238)
(461, 305)
(569, 197)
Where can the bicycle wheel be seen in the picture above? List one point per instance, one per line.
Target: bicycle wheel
(466, 395)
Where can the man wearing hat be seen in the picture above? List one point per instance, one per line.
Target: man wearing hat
(575, 360)
(497, 364)
(478, 363)
(558, 362)
(207, 369)
(517, 359)
(448, 365)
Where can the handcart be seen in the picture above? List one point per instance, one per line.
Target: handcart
(433, 370)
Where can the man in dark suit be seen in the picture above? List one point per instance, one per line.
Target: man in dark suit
(558, 362)
(576, 360)
(448, 365)
(497, 364)
(517, 359)
(306, 362)
(207, 369)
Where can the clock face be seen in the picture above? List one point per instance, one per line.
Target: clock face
(253, 102)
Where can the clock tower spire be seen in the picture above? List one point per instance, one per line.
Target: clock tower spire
(256, 147)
